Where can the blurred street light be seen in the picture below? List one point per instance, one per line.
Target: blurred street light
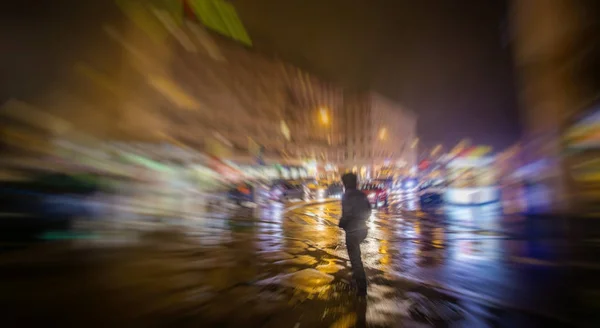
(383, 134)
(436, 150)
(285, 130)
(324, 116)
(414, 143)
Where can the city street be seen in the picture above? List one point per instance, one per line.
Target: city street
(286, 268)
(183, 163)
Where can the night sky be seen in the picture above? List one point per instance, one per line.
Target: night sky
(447, 60)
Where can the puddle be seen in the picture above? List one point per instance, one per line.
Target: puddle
(305, 279)
(330, 268)
(300, 260)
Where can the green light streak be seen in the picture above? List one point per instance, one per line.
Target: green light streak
(221, 17)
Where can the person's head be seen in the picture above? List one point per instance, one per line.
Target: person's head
(350, 181)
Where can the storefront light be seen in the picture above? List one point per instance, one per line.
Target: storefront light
(320, 193)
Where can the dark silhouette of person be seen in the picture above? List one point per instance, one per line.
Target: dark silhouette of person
(361, 313)
(356, 209)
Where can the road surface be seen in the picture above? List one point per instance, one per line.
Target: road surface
(286, 268)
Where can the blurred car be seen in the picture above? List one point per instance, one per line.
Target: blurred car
(262, 191)
(46, 202)
(335, 190)
(377, 193)
(323, 190)
(242, 194)
(314, 189)
(431, 194)
(287, 190)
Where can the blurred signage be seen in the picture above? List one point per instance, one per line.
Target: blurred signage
(220, 17)
(476, 152)
(386, 172)
(424, 165)
(466, 162)
(401, 163)
(294, 173)
(460, 147)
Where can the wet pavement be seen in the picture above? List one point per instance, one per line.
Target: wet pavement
(287, 268)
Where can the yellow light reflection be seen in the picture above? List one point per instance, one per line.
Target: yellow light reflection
(383, 249)
(438, 237)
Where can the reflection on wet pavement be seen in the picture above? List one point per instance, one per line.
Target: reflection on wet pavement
(277, 270)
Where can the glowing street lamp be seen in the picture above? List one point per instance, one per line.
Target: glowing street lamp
(324, 116)
(383, 133)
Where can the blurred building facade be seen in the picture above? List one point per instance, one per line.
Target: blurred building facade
(147, 75)
(556, 53)
(251, 100)
(378, 132)
(314, 113)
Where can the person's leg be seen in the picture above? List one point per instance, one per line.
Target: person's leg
(353, 241)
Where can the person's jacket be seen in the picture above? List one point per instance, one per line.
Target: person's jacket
(356, 210)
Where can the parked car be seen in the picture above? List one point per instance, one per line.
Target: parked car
(314, 189)
(335, 190)
(46, 202)
(431, 194)
(377, 193)
(323, 189)
(287, 190)
(241, 194)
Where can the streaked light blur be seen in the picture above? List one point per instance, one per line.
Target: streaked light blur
(170, 169)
